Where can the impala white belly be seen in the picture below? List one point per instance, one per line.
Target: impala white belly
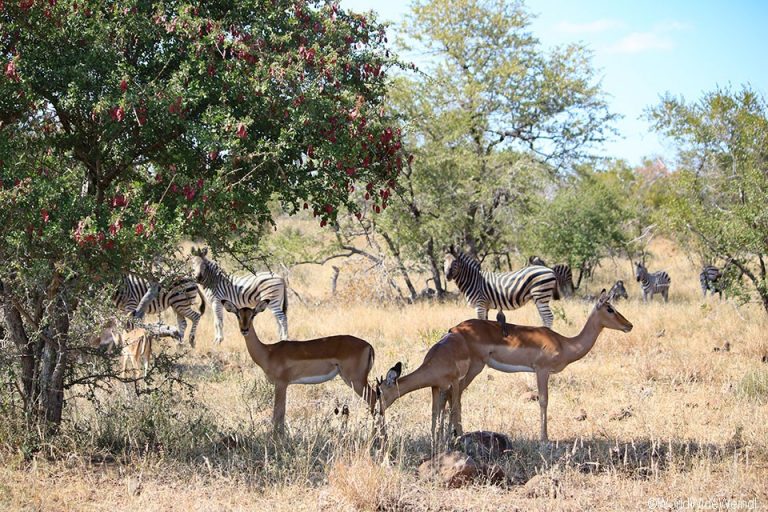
(317, 379)
(508, 368)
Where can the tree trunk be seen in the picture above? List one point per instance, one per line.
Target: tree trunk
(334, 279)
(400, 266)
(435, 267)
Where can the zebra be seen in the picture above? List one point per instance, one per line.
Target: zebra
(657, 282)
(139, 296)
(563, 273)
(618, 291)
(243, 291)
(711, 279)
(507, 290)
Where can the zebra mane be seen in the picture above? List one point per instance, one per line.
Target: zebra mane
(467, 260)
(214, 271)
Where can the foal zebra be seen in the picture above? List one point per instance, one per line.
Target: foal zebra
(657, 282)
(249, 291)
(563, 273)
(710, 279)
(486, 290)
(139, 296)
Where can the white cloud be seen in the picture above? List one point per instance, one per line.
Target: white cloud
(590, 27)
(638, 42)
(671, 26)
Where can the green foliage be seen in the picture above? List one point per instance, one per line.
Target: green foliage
(489, 122)
(125, 127)
(586, 220)
(715, 203)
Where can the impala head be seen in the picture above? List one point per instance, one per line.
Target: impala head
(386, 392)
(244, 315)
(608, 315)
(618, 291)
(198, 262)
(640, 271)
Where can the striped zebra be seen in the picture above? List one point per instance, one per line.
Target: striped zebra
(618, 291)
(140, 296)
(657, 282)
(249, 291)
(486, 290)
(710, 279)
(562, 272)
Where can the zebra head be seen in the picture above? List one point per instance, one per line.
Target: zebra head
(200, 264)
(608, 316)
(244, 315)
(618, 291)
(640, 271)
(535, 260)
(450, 264)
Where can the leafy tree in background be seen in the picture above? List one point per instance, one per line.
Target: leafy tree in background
(585, 221)
(125, 126)
(492, 117)
(716, 201)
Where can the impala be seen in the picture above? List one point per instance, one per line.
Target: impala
(535, 349)
(443, 368)
(306, 362)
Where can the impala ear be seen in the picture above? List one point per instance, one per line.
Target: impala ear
(602, 299)
(229, 306)
(393, 374)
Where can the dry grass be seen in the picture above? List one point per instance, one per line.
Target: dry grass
(696, 424)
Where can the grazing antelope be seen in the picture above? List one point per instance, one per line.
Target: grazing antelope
(507, 290)
(306, 362)
(535, 349)
(657, 282)
(243, 291)
(443, 368)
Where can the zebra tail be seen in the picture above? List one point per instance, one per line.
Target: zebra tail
(285, 299)
(202, 300)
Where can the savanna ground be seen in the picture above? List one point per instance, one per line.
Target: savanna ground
(668, 419)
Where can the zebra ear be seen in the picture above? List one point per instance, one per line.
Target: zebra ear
(204, 252)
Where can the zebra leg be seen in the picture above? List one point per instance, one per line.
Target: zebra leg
(218, 317)
(282, 322)
(665, 294)
(482, 312)
(182, 323)
(545, 313)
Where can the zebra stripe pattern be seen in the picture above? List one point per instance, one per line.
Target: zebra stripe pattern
(140, 296)
(710, 280)
(652, 283)
(618, 291)
(248, 291)
(563, 273)
(487, 290)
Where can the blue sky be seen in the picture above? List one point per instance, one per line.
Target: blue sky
(645, 49)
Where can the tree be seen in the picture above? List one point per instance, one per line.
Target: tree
(489, 120)
(126, 126)
(716, 199)
(585, 221)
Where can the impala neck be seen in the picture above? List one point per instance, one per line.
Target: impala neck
(258, 351)
(577, 347)
(404, 385)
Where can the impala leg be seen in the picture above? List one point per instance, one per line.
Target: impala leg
(474, 370)
(435, 413)
(278, 412)
(455, 422)
(542, 381)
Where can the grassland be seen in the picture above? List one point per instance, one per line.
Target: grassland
(668, 419)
